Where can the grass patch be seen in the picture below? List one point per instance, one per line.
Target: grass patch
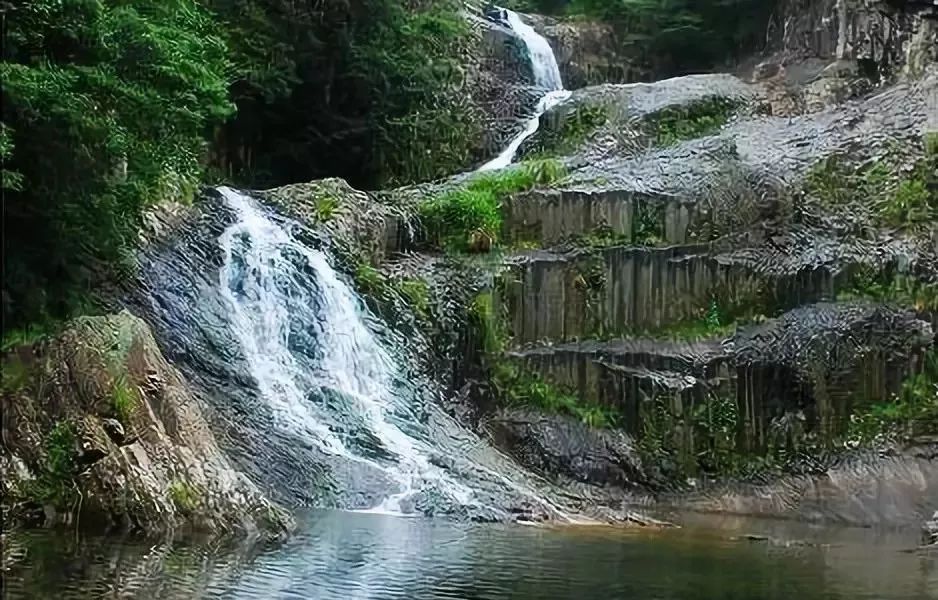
(123, 399)
(469, 219)
(872, 284)
(28, 334)
(183, 495)
(897, 199)
(574, 129)
(369, 279)
(675, 124)
(417, 294)
(516, 387)
(54, 483)
(911, 412)
(325, 208)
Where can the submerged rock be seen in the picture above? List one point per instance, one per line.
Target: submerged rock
(98, 427)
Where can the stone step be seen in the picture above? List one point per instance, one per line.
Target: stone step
(600, 293)
(807, 370)
(548, 217)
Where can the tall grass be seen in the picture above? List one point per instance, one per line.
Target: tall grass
(469, 218)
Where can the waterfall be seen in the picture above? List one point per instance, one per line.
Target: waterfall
(546, 76)
(328, 378)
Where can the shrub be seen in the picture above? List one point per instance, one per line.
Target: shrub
(455, 219)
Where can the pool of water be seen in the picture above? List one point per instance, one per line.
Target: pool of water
(341, 555)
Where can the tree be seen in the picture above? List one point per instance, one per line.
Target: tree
(106, 108)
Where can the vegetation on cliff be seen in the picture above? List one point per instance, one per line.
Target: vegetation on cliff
(111, 106)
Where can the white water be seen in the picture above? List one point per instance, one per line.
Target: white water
(546, 76)
(275, 302)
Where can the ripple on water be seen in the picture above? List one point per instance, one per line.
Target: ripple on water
(347, 556)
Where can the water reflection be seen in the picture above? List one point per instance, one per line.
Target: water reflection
(350, 556)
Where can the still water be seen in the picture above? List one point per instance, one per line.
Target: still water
(349, 556)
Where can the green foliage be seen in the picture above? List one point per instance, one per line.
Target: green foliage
(913, 411)
(417, 294)
(898, 199)
(931, 144)
(27, 334)
(15, 374)
(905, 290)
(106, 104)
(123, 399)
(674, 36)
(184, 496)
(325, 208)
(368, 90)
(575, 127)
(54, 483)
(369, 279)
(674, 124)
(488, 327)
(457, 219)
(516, 387)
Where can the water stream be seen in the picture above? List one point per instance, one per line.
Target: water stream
(546, 77)
(330, 381)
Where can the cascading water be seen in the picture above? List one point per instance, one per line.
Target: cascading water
(546, 76)
(327, 377)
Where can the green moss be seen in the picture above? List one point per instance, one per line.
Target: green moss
(369, 280)
(674, 124)
(417, 294)
(515, 387)
(123, 399)
(469, 218)
(575, 127)
(15, 374)
(183, 495)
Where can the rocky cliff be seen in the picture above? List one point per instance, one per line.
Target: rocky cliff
(98, 429)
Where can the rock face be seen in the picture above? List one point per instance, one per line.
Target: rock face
(884, 38)
(99, 428)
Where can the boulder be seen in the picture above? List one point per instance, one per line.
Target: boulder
(559, 446)
(99, 428)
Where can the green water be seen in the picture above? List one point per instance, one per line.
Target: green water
(349, 556)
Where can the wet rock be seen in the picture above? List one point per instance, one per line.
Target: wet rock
(114, 430)
(588, 52)
(172, 476)
(889, 37)
(561, 446)
(930, 531)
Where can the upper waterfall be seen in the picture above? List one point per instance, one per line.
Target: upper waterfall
(546, 76)
(543, 62)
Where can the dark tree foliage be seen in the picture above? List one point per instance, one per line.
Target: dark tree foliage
(105, 108)
(368, 90)
(113, 105)
(675, 36)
